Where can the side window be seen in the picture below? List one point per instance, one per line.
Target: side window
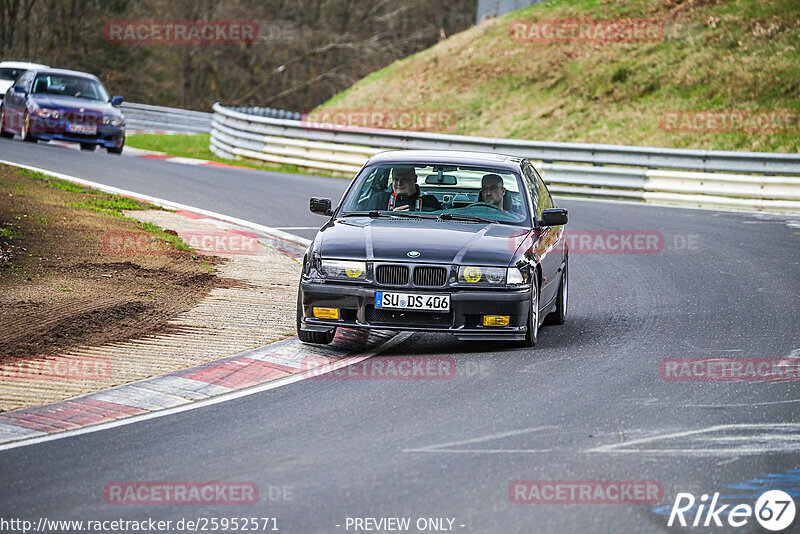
(24, 80)
(533, 187)
(544, 195)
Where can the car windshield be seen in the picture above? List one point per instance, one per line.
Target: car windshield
(11, 74)
(56, 84)
(446, 191)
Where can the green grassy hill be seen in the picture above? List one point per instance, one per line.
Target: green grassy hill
(712, 55)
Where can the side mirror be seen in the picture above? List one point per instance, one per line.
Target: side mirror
(320, 206)
(554, 217)
(19, 88)
(116, 101)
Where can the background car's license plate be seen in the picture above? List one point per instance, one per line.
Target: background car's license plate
(82, 129)
(384, 299)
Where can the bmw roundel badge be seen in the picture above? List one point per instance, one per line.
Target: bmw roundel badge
(413, 254)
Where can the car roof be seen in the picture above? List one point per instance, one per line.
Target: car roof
(447, 157)
(21, 65)
(65, 72)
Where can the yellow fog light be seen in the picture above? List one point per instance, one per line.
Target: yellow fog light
(326, 313)
(496, 320)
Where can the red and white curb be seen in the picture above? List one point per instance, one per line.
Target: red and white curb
(273, 365)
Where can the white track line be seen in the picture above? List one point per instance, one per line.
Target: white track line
(274, 232)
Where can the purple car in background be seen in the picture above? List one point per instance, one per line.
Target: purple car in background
(66, 105)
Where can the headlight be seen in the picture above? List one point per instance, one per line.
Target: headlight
(490, 276)
(515, 277)
(484, 276)
(113, 121)
(343, 270)
(46, 113)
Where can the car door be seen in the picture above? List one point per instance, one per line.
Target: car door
(16, 102)
(549, 246)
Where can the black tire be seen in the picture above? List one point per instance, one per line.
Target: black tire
(26, 126)
(112, 150)
(7, 135)
(89, 147)
(559, 315)
(532, 335)
(318, 338)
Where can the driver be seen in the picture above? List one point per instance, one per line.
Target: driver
(492, 190)
(404, 182)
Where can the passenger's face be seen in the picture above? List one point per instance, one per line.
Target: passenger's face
(404, 182)
(493, 192)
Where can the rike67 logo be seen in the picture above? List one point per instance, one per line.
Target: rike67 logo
(774, 511)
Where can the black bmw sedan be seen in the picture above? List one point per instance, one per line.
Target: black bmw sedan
(463, 242)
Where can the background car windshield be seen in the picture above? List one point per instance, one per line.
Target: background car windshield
(11, 73)
(74, 86)
(441, 189)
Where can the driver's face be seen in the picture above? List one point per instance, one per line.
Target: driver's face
(404, 183)
(493, 192)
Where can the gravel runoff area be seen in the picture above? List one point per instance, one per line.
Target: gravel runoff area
(257, 307)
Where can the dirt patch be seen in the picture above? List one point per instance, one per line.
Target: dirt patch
(62, 286)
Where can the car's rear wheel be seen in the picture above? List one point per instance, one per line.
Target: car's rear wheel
(532, 335)
(88, 147)
(319, 338)
(3, 133)
(25, 133)
(559, 315)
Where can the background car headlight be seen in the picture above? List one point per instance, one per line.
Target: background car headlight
(343, 270)
(113, 121)
(473, 275)
(46, 113)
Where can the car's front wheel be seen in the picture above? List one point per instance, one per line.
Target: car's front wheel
(559, 315)
(532, 335)
(3, 133)
(25, 133)
(116, 149)
(319, 338)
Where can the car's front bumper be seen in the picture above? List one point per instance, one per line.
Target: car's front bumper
(356, 306)
(106, 136)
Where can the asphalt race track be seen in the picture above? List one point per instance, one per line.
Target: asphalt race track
(588, 403)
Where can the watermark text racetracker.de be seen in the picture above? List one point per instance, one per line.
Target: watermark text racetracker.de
(181, 31)
(145, 525)
(585, 492)
(730, 369)
(731, 121)
(223, 243)
(620, 241)
(586, 30)
(62, 368)
(408, 119)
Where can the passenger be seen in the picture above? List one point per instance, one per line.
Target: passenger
(404, 182)
(492, 190)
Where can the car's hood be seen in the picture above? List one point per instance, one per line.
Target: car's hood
(72, 104)
(436, 241)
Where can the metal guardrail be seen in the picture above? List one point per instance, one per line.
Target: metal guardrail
(673, 176)
(146, 117)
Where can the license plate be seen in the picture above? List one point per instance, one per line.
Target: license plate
(405, 301)
(82, 129)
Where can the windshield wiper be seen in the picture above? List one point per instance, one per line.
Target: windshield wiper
(378, 214)
(462, 217)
